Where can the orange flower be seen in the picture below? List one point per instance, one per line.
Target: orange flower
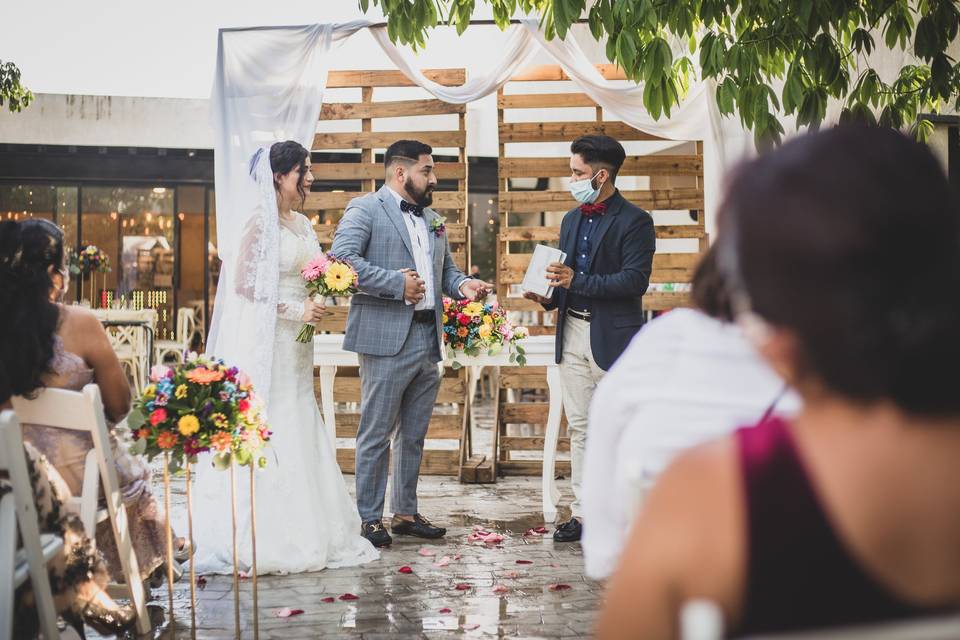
(143, 432)
(166, 440)
(202, 375)
(221, 441)
(462, 332)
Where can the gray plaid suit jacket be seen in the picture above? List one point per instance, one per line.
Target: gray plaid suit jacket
(374, 238)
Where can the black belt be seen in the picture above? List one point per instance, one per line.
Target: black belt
(424, 315)
(579, 315)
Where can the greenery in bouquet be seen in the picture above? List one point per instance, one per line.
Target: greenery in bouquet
(326, 276)
(89, 259)
(475, 327)
(197, 407)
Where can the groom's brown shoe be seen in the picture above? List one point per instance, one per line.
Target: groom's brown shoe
(419, 527)
(374, 532)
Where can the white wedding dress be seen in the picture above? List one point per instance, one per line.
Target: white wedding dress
(306, 519)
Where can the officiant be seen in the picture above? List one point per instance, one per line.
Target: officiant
(597, 291)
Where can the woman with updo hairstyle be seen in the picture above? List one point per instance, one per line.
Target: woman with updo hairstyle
(46, 343)
(841, 251)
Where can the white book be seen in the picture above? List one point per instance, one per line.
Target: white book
(535, 279)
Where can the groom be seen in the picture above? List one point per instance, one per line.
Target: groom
(399, 249)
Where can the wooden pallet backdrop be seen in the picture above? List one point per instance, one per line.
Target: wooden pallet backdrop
(676, 183)
(325, 207)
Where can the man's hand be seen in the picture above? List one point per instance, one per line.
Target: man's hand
(313, 312)
(559, 275)
(475, 289)
(413, 287)
(530, 295)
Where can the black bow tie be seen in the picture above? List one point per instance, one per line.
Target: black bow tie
(414, 209)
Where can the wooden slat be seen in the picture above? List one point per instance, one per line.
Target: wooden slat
(671, 275)
(325, 234)
(347, 389)
(388, 109)
(334, 318)
(542, 73)
(523, 378)
(513, 266)
(552, 234)
(371, 171)
(568, 131)
(383, 139)
(524, 412)
(527, 468)
(662, 301)
(436, 462)
(537, 201)
(443, 426)
(526, 443)
(318, 201)
(665, 165)
(385, 78)
(544, 100)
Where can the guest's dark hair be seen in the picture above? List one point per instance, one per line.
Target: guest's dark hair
(408, 151)
(600, 150)
(29, 319)
(284, 158)
(708, 290)
(850, 239)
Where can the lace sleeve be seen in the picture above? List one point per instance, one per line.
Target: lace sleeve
(246, 269)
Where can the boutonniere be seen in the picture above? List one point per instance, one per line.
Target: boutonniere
(437, 226)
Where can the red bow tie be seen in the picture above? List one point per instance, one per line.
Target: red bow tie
(593, 209)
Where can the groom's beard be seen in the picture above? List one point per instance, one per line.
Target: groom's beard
(423, 197)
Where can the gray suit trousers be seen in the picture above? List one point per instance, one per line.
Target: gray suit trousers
(397, 395)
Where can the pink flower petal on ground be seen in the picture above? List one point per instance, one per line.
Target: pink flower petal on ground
(329, 599)
(442, 562)
(349, 596)
(511, 574)
(476, 536)
(201, 582)
(469, 626)
(463, 587)
(445, 610)
(493, 538)
(427, 553)
(456, 557)
(559, 587)
(405, 569)
(286, 612)
(500, 588)
(244, 575)
(524, 561)
(536, 531)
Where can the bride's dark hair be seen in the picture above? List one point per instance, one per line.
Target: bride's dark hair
(284, 158)
(29, 319)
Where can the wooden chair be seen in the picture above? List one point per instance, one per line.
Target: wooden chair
(18, 510)
(130, 342)
(186, 324)
(703, 620)
(83, 411)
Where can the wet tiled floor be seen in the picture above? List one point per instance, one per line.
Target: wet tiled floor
(524, 587)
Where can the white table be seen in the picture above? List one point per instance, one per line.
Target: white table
(328, 354)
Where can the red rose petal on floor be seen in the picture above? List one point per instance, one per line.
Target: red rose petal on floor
(405, 570)
(524, 561)
(445, 610)
(559, 587)
(462, 587)
(511, 574)
(201, 582)
(427, 553)
(349, 596)
(328, 600)
(500, 589)
(469, 626)
(286, 612)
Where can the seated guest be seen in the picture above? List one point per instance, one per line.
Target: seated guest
(78, 574)
(841, 251)
(689, 376)
(48, 344)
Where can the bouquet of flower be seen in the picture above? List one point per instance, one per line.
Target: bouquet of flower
(195, 407)
(89, 259)
(473, 327)
(324, 276)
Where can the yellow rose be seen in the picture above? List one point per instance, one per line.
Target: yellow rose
(188, 425)
(487, 320)
(485, 331)
(338, 277)
(150, 391)
(445, 319)
(181, 392)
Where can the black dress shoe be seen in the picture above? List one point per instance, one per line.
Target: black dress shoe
(419, 527)
(374, 532)
(569, 531)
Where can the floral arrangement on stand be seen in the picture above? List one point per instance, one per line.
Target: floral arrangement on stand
(87, 261)
(326, 276)
(473, 327)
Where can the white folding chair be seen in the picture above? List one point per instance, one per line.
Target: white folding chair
(18, 508)
(83, 411)
(186, 324)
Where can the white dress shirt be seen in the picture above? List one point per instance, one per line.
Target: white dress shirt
(422, 251)
(685, 379)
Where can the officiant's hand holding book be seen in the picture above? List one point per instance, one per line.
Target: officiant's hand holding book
(538, 280)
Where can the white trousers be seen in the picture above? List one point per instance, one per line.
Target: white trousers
(580, 375)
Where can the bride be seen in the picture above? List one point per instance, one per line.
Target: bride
(306, 519)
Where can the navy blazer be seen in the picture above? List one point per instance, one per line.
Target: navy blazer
(621, 258)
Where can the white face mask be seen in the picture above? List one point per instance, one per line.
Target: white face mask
(583, 191)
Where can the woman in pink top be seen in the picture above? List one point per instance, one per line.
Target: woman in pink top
(841, 252)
